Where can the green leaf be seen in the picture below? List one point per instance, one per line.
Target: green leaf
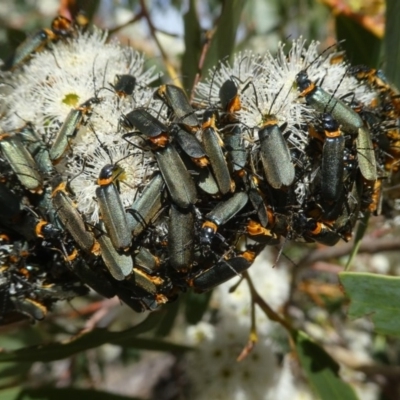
(15, 37)
(167, 321)
(196, 306)
(68, 394)
(223, 41)
(321, 370)
(11, 371)
(28, 335)
(392, 42)
(355, 38)
(15, 339)
(90, 340)
(10, 393)
(157, 345)
(374, 296)
(193, 46)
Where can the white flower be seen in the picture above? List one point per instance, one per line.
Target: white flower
(267, 88)
(279, 96)
(287, 386)
(246, 68)
(214, 372)
(86, 167)
(213, 369)
(66, 76)
(272, 283)
(200, 333)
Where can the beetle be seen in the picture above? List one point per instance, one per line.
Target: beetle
(230, 92)
(95, 279)
(236, 150)
(275, 155)
(62, 27)
(322, 233)
(33, 309)
(143, 291)
(119, 264)
(260, 234)
(229, 97)
(145, 260)
(323, 101)
(220, 215)
(190, 145)
(377, 80)
(179, 183)
(28, 288)
(176, 100)
(32, 44)
(366, 155)
(206, 181)
(46, 230)
(346, 221)
(221, 272)
(21, 161)
(71, 219)
(149, 126)
(257, 199)
(181, 238)
(38, 150)
(213, 147)
(69, 128)
(147, 206)
(350, 121)
(332, 163)
(111, 207)
(124, 85)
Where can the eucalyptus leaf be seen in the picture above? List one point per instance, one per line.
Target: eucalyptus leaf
(10, 393)
(68, 394)
(321, 370)
(376, 297)
(193, 46)
(355, 37)
(392, 42)
(223, 41)
(195, 306)
(81, 342)
(168, 319)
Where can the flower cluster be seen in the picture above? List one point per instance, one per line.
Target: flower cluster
(211, 367)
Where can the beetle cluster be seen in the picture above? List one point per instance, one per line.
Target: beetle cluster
(321, 138)
(28, 285)
(140, 193)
